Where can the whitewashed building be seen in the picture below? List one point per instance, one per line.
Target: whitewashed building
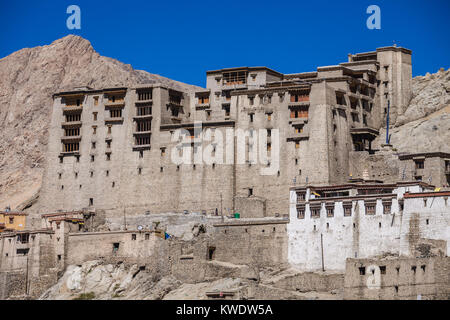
(329, 224)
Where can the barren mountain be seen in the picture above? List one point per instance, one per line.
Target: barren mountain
(28, 78)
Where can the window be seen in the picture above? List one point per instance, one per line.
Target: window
(22, 252)
(94, 129)
(299, 112)
(211, 253)
(330, 211)
(233, 78)
(11, 220)
(147, 236)
(387, 207)
(73, 117)
(203, 100)
(251, 115)
(370, 208)
(315, 212)
(300, 213)
(92, 158)
(347, 210)
(297, 144)
(226, 108)
(91, 201)
(163, 152)
(362, 271)
(340, 99)
(143, 110)
(250, 192)
(299, 97)
(251, 100)
(72, 132)
(71, 147)
(145, 125)
(108, 157)
(115, 113)
(95, 116)
(383, 269)
(269, 116)
(95, 101)
(115, 247)
(93, 145)
(145, 95)
(109, 129)
(420, 164)
(143, 140)
(133, 236)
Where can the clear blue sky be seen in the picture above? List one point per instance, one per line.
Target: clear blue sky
(183, 39)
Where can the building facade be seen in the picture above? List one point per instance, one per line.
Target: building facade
(113, 149)
(329, 224)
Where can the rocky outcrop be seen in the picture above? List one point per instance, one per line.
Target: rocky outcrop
(28, 78)
(99, 281)
(425, 125)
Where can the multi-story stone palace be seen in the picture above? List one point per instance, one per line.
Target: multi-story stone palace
(113, 148)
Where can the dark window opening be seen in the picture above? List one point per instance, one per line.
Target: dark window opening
(115, 246)
(383, 269)
(133, 236)
(23, 252)
(211, 253)
(362, 271)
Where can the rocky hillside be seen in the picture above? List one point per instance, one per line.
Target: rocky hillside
(95, 280)
(28, 78)
(425, 125)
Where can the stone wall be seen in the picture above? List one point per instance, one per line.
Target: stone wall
(403, 278)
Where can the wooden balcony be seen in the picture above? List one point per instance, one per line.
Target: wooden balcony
(144, 117)
(115, 104)
(114, 120)
(144, 102)
(141, 147)
(70, 138)
(71, 124)
(202, 106)
(142, 133)
(72, 109)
